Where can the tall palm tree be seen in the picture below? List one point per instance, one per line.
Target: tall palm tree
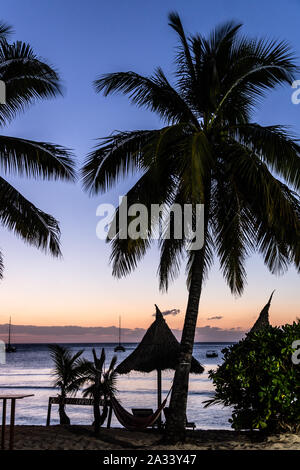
(28, 79)
(101, 385)
(67, 374)
(209, 151)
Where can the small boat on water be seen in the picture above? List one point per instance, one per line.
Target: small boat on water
(120, 347)
(211, 353)
(9, 348)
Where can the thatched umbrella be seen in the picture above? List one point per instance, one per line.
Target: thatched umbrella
(263, 319)
(159, 350)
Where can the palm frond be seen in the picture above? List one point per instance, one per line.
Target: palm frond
(27, 221)
(5, 30)
(172, 248)
(255, 67)
(171, 256)
(75, 357)
(232, 231)
(222, 39)
(184, 58)
(156, 187)
(275, 146)
(101, 383)
(36, 159)
(112, 364)
(1, 265)
(68, 369)
(126, 254)
(275, 210)
(154, 93)
(27, 78)
(117, 155)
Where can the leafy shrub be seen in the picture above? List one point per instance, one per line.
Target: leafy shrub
(260, 381)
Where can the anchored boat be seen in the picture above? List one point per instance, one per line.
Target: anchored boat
(9, 347)
(120, 347)
(211, 353)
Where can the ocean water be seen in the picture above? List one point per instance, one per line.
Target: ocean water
(28, 371)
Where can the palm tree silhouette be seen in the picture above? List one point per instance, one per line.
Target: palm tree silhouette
(101, 384)
(27, 79)
(210, 151)
(67, 374)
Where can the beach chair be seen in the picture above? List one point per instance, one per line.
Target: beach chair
(143, 413)
(188, 424)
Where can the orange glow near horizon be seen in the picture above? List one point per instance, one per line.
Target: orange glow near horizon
(238, 314)
(57, 298)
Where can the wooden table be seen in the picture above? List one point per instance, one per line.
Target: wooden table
(13, 399)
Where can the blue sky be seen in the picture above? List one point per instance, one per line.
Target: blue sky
(83, 40)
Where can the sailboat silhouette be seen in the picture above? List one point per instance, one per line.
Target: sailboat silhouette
(119, 347)
(9, 348)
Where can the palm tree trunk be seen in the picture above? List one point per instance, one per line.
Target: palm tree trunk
(97, 415)
(104, 413)
(175, 428)
(63, 417)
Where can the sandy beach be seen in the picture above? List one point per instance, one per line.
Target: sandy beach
(82, 438)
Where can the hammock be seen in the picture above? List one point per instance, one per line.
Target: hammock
(135, 423)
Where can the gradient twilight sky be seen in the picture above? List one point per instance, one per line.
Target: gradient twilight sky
(83, 40)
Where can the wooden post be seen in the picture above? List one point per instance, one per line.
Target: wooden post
(159, 396)
(109, 417)
(12, 424)
(49, 412)
(3, 424)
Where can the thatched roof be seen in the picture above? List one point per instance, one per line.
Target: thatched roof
(263, 319)
(159, 349)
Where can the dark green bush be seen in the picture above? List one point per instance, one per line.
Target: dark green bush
(260, 381)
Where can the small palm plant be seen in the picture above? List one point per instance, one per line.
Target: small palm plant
(102, 384)
(67, 375)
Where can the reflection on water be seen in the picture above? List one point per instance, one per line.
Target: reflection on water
(29, 371)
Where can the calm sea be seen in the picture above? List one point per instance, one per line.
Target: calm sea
(29, 371)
